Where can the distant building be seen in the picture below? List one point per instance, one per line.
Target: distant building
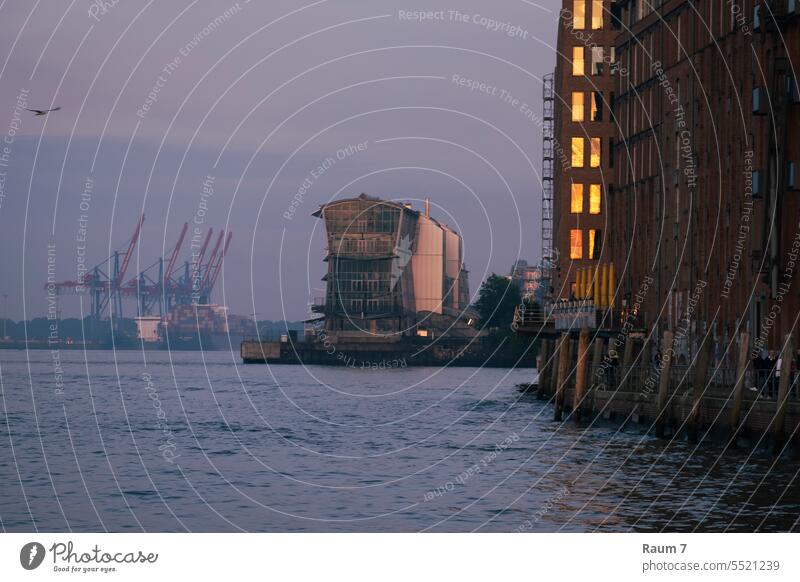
(148, 328)
(392, 271)
(527, 278)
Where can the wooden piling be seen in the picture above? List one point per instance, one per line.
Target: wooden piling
(783, 394)
(580, 373)
(663, 383)
(625, 372)
(561, 380)
(544, 358)
(738, 388)
(700, 378)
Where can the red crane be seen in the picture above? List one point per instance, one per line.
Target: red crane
(218, 267)
(174, 256)
(210, 265)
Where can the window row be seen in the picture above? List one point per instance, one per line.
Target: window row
(579, 152)
(598, 59)
(579, 106)
(576, 244)
(577, 195)
(579, 14)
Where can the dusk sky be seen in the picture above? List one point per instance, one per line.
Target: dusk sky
(159, 98)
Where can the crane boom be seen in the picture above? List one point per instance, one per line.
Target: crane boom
(197, 265)
(127, 259)
(174, 256)
(211, 261)
(219, 263)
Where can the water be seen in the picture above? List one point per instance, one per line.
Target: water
(198, 442)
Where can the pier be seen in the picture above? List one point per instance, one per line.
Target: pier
(702, 401)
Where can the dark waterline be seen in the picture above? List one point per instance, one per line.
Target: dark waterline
(287, 448)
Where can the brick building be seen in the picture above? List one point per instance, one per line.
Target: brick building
(677, 167)
(583, 138)
(704, 211)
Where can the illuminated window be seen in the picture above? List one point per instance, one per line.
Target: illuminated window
(597, 106)
(594, 160)
(597, 14)
(576, 204)
(579, 14)
(595, 197)
(594, 244)
(577, 152)
(597, 60)
(578, 61)
(577, 106)
(575, 244)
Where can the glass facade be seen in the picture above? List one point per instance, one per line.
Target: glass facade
(387, 263)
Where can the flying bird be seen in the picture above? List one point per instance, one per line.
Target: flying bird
(38, 112)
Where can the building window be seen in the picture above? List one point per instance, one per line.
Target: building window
(578, 61)
(579, 14)
(597, 60)
(595, 197)
(577, 152)
(575, 244)
(597, 106)
(577, 106)
(594, 244)
(576, 199)
(594, 160)
(597, 14)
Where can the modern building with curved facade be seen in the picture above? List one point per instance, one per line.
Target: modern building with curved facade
(392, 271)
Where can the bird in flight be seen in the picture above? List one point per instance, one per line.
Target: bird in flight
(38, 112)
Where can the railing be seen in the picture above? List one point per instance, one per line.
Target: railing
(758, 384)
(529, 316)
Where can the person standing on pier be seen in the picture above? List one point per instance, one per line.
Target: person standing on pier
(772, 373)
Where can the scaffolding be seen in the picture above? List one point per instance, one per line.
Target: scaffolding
(548, 178)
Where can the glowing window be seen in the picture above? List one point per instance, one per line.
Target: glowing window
(579, 14)
(577, 106)
(577, 152)
(576, 244)
(576, 199)
(595, 198)
(597, 14)
(594, 160)
(578, 61)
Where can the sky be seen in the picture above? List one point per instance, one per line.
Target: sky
(246, 116)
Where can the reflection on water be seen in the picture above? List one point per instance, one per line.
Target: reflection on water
(190, 441)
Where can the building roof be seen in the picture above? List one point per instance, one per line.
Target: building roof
(364, 197)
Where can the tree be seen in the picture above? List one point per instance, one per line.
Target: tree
(497, 299)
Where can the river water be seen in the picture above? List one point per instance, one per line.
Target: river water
(190, 441)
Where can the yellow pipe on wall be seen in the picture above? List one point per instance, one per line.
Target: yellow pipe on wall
(612, 285)
(596, 287)
(604, 286)
(581, 283)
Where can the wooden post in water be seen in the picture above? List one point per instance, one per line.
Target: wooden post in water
(663, 383)
(700, 378)
(783, 394)
(544, 356)
(592, 377)
(561, 380)
(738, 388)
(627, 358)
(580, 373)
